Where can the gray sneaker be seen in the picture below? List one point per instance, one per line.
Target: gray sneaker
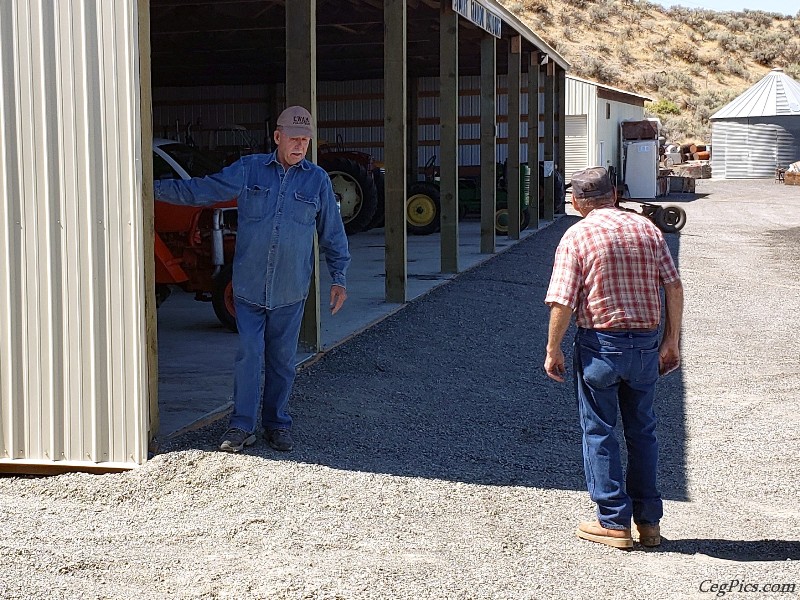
(236, 439)
(279, 439)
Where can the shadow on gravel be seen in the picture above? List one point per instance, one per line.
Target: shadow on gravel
(453, 388)
(738, 550)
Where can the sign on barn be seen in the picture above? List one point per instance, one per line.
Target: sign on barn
(477, 13)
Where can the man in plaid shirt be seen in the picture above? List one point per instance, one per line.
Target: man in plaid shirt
(608, 271)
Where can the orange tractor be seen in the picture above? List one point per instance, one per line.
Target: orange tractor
(194, 245)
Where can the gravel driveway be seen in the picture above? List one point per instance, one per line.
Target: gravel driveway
(435, 460)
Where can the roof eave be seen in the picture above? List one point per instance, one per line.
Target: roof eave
(526, 32)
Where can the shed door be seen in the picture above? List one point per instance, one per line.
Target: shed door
(576, 144)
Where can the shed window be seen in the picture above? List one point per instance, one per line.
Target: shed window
(608, 110)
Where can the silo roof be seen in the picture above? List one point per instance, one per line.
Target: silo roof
(776, 94)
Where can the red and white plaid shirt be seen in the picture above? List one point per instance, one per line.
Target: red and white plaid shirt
(608, 269)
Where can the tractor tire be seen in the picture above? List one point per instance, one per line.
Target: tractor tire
(222, 298)
(670, 219)
(501, 221)
(380, 210)
(355, 189)
(423, 208)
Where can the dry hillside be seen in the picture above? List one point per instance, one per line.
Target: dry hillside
(690, 61)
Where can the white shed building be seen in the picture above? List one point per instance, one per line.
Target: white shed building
(758, 131)
(593, 115)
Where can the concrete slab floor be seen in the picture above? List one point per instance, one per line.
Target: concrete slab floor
(196, 353)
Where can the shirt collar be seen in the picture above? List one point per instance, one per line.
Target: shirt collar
(272, 157)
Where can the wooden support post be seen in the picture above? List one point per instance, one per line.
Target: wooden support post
(448, 148)
(549, 116)
(514, 117)
(150, 319)
(301, 89)
(394, 52)
(561, 103)
(533, 137)
(488, 142)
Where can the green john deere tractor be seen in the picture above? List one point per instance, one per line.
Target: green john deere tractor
(423, 207)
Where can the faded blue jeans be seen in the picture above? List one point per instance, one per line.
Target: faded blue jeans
(268, 338)
(619, 369)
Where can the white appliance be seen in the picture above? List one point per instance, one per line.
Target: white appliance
(641, 168)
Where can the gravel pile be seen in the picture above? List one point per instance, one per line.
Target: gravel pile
(435, 460)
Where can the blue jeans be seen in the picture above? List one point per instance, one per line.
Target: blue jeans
(267, 337)
(619, 369)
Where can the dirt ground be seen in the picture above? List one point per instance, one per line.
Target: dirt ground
(435, 459)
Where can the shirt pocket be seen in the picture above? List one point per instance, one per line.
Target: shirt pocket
(304, 208)
(253, 207)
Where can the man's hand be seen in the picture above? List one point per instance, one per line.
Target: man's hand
(560, 315)
(338, 296)
(554, 365)
(669, 357)
(669, 354)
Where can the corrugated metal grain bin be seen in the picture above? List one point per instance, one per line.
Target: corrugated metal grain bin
(73, 343)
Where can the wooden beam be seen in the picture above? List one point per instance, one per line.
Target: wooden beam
(301, 89)
(513, 160)
(533, 136)
(488, 143)
(561, 137)
(148, 231)
(394, 52)
(549, 116)
(448, 149)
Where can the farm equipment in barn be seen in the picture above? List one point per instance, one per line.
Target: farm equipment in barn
(423, 207)
(357, 183)
(194, 246)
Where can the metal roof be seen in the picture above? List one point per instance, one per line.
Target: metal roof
(609, 88)
(776, 94)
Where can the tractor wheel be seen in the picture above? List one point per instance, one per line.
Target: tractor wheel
(380, 210)
(670, 219)
(355, 189)
(423, 209)
(222, 298)
(501, 221)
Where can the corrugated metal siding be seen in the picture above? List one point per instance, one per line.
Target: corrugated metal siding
(753, 148)
(351, 109)
(207, 108)
(72, 337)
(577, 145)
(581, 97)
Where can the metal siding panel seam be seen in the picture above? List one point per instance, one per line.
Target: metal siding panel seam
(12, 351)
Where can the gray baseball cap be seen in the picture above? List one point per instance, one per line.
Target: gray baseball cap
(296, 121)
(591, 183)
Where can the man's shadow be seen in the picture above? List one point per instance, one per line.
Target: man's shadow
(736, 550)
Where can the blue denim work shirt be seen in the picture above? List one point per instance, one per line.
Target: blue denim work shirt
(279, 211)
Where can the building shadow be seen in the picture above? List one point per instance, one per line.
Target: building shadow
(453, 388)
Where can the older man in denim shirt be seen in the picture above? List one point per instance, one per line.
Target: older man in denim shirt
(282, 200)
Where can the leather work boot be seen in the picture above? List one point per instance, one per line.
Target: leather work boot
(594, 532)
(649, 534)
